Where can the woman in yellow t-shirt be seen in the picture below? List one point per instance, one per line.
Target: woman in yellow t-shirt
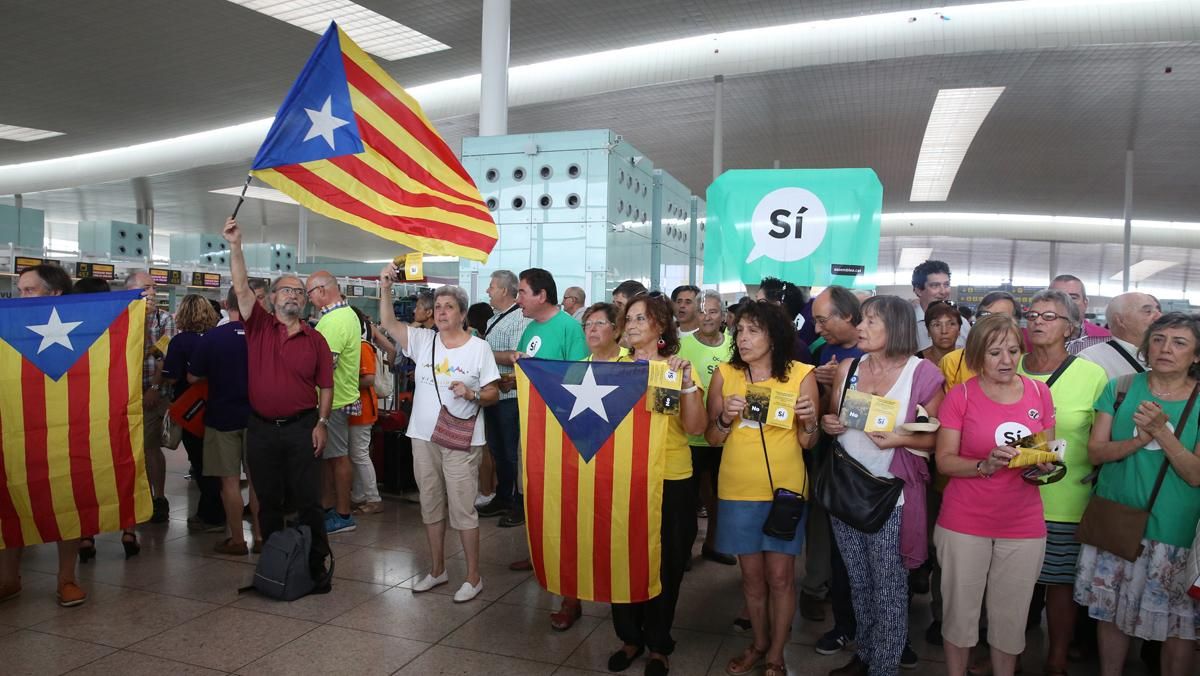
(649, 326)
(762, 337)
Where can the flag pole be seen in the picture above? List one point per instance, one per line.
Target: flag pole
(242, 197)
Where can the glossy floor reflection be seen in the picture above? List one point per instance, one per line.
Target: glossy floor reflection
(174, 609)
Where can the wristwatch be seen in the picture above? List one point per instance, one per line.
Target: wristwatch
(323, 421)
(156, 387)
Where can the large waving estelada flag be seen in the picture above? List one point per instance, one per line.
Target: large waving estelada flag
(71, 417)
(593, 475)
(349, 143)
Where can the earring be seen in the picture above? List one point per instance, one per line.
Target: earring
(661, 344)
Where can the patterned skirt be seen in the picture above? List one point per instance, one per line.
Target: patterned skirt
(1142, 597)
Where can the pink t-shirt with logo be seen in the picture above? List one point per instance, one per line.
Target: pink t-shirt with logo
(1004, 505)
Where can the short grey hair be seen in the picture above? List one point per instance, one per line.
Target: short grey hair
(131, 278)
(455, 292)
(1062, 299)
(280, 278)
(507, 279)
(710, 294)
(898, 320)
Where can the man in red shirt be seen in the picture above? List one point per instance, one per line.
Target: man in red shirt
(287, 363)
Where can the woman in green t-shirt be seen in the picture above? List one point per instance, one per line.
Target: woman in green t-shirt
(1135, 437)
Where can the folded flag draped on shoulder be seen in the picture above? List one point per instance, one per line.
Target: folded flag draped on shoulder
(349, 143)
(593, 475)
(71, 460)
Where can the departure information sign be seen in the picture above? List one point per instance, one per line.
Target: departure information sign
(210, 280)
(97, 270)
(23, 263)
(166, 276)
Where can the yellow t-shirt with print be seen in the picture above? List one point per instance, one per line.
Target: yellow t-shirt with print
(743, 473)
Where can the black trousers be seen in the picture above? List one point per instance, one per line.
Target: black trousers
(839, 593)
(649, 623)
(210, 510)
(287, 477)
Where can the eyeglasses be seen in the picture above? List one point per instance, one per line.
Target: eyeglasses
(310, 291)
(290, 290)
(821, 321)
(596, 323)
(943, 302)
(1046, 316)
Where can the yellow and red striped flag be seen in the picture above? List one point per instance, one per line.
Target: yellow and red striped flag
(349, 143)
(71, 459)
(593, 477)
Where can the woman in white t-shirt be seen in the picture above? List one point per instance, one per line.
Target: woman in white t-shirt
(457, 371)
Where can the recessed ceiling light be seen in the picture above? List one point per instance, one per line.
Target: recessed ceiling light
(956, 117)
(911, 257)
(1145, 269)
(374, 32)
(12, 133)
(257, 193)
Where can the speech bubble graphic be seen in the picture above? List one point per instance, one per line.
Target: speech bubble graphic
(787, 225)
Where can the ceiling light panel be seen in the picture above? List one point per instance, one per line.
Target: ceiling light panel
(911, 257)
(956, 117)
(255, 192)
(1145, 269)
(374, 32)
(12, 133)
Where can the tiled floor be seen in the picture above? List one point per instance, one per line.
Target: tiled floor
(174, 609)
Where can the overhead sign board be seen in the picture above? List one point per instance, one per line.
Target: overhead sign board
(98, 270)
(166, 276)
(210, 280)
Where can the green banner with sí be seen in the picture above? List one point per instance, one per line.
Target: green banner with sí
(812, 227)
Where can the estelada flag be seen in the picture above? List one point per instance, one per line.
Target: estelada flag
(349, 143)
(71, 417)
(593, 476)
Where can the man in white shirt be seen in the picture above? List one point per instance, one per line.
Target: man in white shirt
(931, 284)
(502, 421)
(687, 314)
(1129, 316)
(574, 302)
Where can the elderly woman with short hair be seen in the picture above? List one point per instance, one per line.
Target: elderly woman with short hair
(1074, 384)
(455, 371)
(878, 562)
(1137, 436)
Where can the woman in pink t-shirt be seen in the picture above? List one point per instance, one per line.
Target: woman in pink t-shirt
(990, 532)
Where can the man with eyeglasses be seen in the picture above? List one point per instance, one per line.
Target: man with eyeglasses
(931, 284)
(502, 421)
(341, 329)
(573, 302)
(290, 387)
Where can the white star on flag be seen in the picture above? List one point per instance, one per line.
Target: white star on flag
(54, 332)
(323, 122)
(589, 396)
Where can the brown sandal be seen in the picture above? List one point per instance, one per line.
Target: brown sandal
(567, 615)
(772, 669)
(749, 660)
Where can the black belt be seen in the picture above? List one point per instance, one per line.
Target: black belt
(280, 422)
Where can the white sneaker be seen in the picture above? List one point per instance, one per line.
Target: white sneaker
(429, 582)
(468, 591)
(483, 500)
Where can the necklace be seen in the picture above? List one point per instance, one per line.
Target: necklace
(1161, 395)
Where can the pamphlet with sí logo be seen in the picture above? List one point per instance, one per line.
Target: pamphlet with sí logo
(869, 412)
(782, 409)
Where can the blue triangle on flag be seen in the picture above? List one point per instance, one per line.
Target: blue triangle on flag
(589, 399)
(53, 332)
(316, 120)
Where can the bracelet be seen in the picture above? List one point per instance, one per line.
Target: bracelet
(689, 390)
(979, 471)
(722, 425)
(811, 431)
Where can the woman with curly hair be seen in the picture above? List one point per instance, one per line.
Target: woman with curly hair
(756, 459)
(194, 317)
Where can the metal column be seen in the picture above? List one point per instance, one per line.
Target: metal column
(302, 245)
(1128, 217)
(493, 83)
(718, 132)
(656, 231)
(693, 239)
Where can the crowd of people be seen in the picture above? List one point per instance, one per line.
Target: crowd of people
(907, 428)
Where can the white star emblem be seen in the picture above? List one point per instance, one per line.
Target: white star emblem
(589, 396)
(323, 122)
(54, 332)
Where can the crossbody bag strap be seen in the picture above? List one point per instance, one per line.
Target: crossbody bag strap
(1162, 472)
(1137, 366)
(846, 382)
(1060, 370)
(433, 369)
(762, 435)
(499, 319)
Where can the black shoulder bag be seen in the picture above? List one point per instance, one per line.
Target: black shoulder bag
(787, 507)
(848, 490)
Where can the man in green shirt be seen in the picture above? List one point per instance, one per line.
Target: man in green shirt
(339, 325)
(707, 348)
